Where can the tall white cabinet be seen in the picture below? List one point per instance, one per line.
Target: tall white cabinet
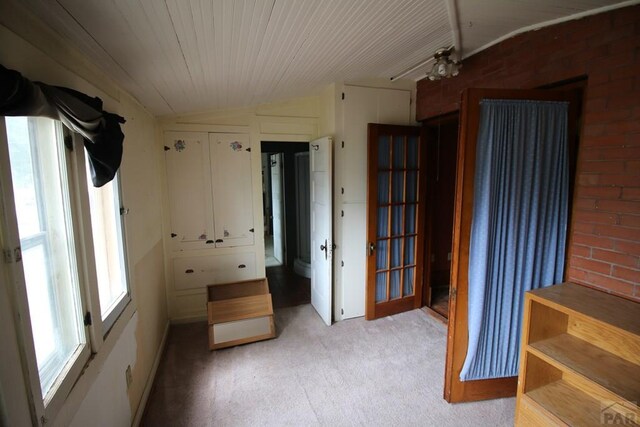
(357, 106)
(209, 190)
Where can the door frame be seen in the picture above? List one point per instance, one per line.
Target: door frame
(457, 330)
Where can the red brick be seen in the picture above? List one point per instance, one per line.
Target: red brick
(607, 116)
(623, 127)
(610, 153)
(595, 217)
(618, 232)
(630, 220)
(618, 206)
(611, 88)
(581, 251)
(591, 240)
(602, 166)
(605, 141)
(616, 258)
(630, 193)
(600, 192)
(607, 283)
(630, 248)
(583, 227)
(632, 167)
(630, 274)
(619, 180)
(584, 204)
(591, 265)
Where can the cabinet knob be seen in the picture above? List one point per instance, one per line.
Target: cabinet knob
(208, 242)
(219, 240)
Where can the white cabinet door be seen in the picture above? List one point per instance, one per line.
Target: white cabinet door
(232, 190)
(189, 187)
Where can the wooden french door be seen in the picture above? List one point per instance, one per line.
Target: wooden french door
(395, 219)
(457, 336)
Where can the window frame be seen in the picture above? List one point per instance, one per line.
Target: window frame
(45, 408)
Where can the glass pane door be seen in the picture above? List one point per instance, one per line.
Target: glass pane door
(397, 208)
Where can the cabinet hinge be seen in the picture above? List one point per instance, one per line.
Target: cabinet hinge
(173, 235)
(341, 263)
(251, 230)
(341, 213)
(342, 144)
(87, 319)
(342, 190)
(248, 149)
(166, 148)
(342, 95)
(342, 311)
(8, 257)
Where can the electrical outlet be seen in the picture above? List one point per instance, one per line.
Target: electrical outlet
(128, 376)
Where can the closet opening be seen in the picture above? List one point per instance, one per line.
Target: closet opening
(441, 136)
(286, 218)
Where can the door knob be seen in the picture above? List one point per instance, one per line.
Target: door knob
(324, 248)
(372, 248)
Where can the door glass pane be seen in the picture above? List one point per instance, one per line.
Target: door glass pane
(409, 250)
(381, 286)
(412, 152)
(383, 187)
(46, 236)
(398, 152)
(382, 248)
(412, 186)
(394, 284)
(407, 288)
(410, 219)
(384, 153)
(396, 220)
(396, 252)
(397, 195)
(383, 221)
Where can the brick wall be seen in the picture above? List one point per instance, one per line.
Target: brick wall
(605, 238)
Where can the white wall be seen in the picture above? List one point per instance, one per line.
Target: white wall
(27, 45)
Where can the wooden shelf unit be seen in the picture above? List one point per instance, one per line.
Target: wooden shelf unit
(580, 358)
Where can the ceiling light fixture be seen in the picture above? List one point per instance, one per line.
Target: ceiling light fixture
(444, 65)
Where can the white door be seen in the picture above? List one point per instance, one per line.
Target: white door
(321, 227)
(277, 203)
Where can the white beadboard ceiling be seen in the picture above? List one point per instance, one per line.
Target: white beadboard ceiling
(178, 56)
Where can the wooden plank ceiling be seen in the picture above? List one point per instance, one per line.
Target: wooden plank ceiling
(178, 56)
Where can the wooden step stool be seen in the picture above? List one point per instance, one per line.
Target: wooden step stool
(239, 313)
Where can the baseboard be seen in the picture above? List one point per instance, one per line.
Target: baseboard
(152, 376)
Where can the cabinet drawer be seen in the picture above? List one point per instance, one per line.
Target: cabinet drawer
(198, 272)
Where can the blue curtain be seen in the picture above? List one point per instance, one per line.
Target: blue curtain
(518, 228)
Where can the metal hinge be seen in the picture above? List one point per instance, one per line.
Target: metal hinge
(342, 144)
(341, 213)
(248, 149)
(87, 319)
(11, 256)
(341, 263)
(166, 148)
(342, 95)
(342, 311)
(453, 292)
(342, 190)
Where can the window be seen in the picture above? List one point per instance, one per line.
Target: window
(109, 249)
(72, 248)
(43, 211)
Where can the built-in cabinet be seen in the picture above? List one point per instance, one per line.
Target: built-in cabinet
(209, 188)
(209, 191)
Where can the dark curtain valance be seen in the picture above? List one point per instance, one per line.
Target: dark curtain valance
(103, 137)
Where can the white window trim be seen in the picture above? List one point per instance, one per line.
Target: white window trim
(79, 373)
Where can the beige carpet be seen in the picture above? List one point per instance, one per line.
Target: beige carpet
(387, 372)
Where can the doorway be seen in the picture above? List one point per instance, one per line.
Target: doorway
(442, 148)
(285, 195)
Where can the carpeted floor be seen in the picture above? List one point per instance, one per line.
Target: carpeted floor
(387, 372)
